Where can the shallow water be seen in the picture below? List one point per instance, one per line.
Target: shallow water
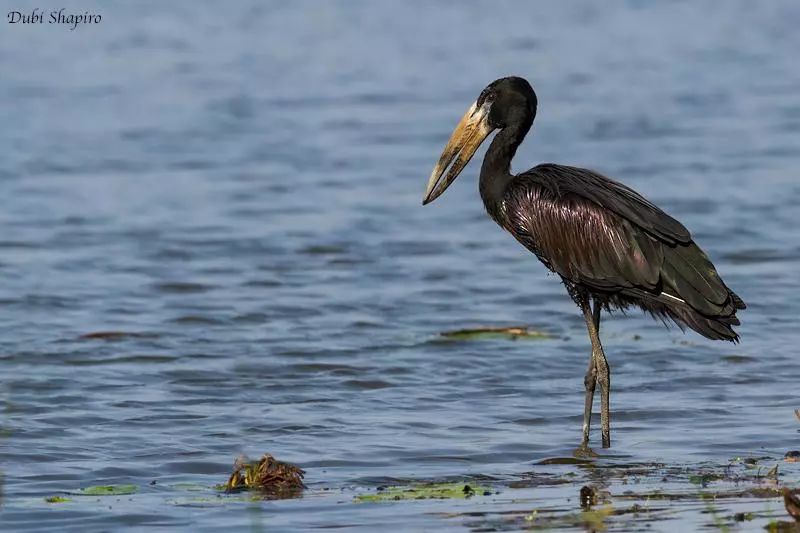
(238, 193)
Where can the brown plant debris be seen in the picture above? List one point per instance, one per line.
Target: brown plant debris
(588, 496)
(593, 495)
(792, 504)
(273, 477)
(513, 332)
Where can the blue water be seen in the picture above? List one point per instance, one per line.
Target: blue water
(237, 189)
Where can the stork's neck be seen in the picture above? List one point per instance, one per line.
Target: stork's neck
(496, 168)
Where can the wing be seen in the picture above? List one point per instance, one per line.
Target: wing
(580, 239)
(614, 196)
(602, 235)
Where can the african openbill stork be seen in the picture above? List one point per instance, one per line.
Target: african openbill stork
(612, 248)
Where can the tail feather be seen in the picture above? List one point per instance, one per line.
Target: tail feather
(738, 303)
(688, 274)
(671, 308)
(691, 294)
(715, 328)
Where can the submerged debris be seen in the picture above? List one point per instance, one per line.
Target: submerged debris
(112, 335)
(108, 335)
(275, 478)
(564, 461)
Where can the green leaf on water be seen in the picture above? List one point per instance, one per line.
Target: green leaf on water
(57, 499)
(108, 490)
(428, 491)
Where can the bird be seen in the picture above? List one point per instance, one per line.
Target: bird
(612, 248)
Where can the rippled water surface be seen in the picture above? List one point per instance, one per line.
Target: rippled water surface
(236, 192)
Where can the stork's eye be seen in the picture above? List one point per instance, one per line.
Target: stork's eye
(486, 96)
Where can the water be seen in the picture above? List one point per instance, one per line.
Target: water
(238, 191)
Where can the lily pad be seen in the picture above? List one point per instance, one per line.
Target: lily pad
(513, 332)
(107, 490)
(428, 491)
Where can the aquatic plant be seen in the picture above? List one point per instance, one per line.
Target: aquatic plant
(425, 491)
(275, 478)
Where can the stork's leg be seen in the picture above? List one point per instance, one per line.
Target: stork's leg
(589, 382)
(604, 379)
(603, 372)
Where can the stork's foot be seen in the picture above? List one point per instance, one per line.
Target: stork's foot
(584, 452)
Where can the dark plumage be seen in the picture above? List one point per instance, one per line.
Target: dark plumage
(610, 245)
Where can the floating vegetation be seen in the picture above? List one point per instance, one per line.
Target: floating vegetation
(779, 526)
(513, 332)
(592, 495)
(57, 499)
(608, 493)
(704, 478)
(107, 490)
(588, 519)
(625, 496)
(792, 504)
(425, 491)
(274, 478)
(565, 461)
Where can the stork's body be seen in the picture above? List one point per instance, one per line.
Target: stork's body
(611, 247)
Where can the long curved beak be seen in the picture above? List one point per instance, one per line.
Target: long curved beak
(470, 132)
